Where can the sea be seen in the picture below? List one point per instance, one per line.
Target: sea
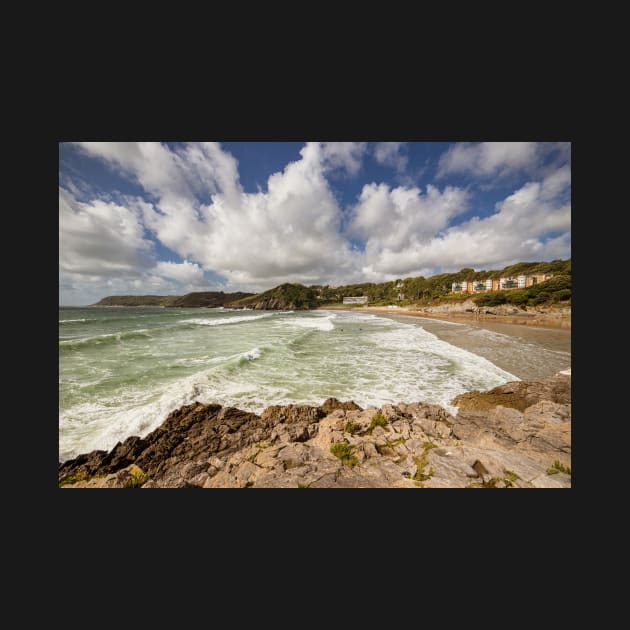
(122, 370)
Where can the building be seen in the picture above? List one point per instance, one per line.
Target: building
(499, 284)
(362, 299)
(509, 282)
(536, 278)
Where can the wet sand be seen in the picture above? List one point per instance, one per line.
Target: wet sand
(543, 320)
(527, 352)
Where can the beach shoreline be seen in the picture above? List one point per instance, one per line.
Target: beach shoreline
(526, 352)
(540, 320)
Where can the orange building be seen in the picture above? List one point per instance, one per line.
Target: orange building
(499, 284)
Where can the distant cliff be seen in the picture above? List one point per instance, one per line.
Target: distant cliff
(136, 300)
(208, 299)
(294, 297)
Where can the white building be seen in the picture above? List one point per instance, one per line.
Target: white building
(355, 300)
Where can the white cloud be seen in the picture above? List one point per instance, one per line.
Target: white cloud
(101, 238)
(487, 159)
(344, 155)
(398, 222)
(185, 272)
(408, 233)
(292, 231)
(389, 154)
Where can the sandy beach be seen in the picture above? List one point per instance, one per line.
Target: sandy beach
(527, 352)
(543, 320)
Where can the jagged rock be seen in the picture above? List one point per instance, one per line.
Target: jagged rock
(507, 437)
(331, 404)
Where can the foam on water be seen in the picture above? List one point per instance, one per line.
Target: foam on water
(320, 322)
(226, 320)
(109, 393)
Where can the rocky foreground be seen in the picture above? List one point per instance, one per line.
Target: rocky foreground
(516, 435)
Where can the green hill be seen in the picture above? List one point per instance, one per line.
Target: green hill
(435, 289)
(207, 299)
(284, 297)
(136, 300)
(404, 291)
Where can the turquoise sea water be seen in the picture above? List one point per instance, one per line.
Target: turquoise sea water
(123, 369)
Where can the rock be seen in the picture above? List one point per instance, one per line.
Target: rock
(506, 437)
(216, 462)
(294, 455)
(290, 414)
(331, 404)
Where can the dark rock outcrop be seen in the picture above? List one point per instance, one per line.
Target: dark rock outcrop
(515, 435)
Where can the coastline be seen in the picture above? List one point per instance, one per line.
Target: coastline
(539, 320)
(526, 352)
(516, 435)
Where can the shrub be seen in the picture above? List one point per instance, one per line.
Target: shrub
(559, 468)
(343, 451)
(136, 480)
(379, 420)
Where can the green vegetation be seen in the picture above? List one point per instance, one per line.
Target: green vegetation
(378, 420)
(343, 451)
(404, 291)
(558, 468)
(136, 300)
(421, 462)
(351, 427)
(556, 289)
(263, 445)
(302, 485)
(510, 478)
(291, 295)
(436, 289)
(73, 479)
(209, 299)
(136, 479)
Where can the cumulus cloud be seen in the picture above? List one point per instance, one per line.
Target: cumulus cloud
(529, 224)
(344, 155)
(294, 230)
(186, 272)
(390, 154)
(101, 238)
(487, 159)
(289, 232)
(397, 223)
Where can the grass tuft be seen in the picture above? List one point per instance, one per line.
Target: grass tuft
(559, 468)
(343, 451)
(378, 420)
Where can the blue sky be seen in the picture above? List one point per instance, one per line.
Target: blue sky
(170, 218)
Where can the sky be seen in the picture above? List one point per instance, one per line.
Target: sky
(169, 218)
